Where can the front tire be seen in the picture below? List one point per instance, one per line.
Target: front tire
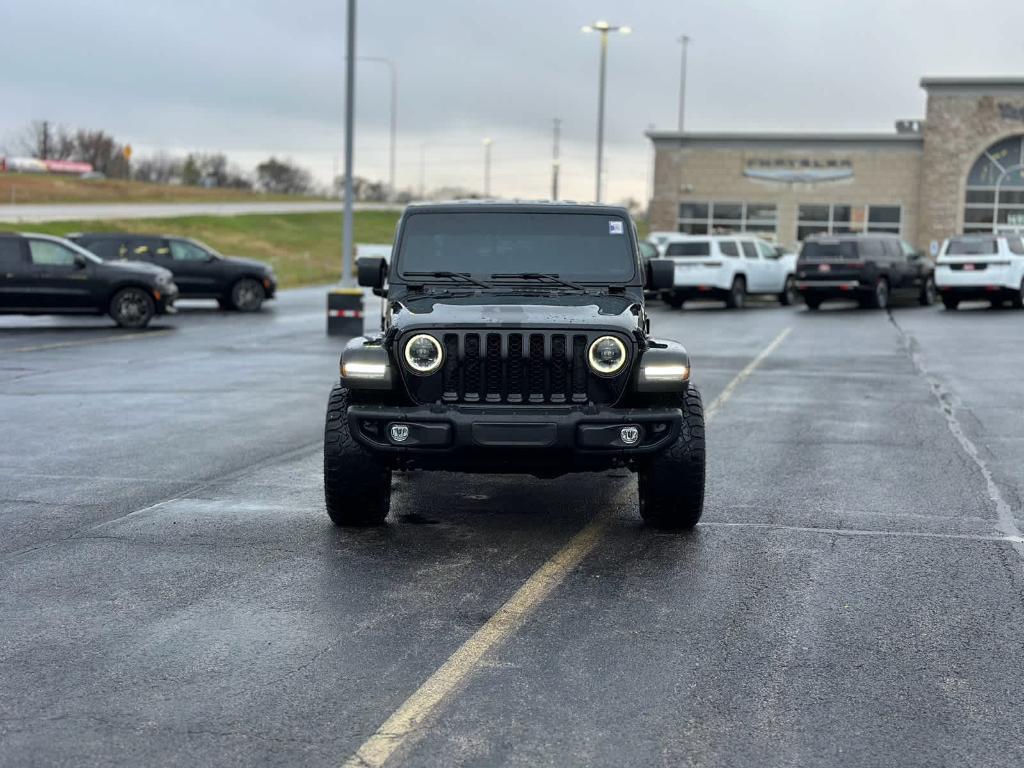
(929, 293)
(737, 297)
(132, 308)
(1017, 302)
(247, 295)
(789, 295)
(357, 489)
(671, 485)
(674, 300)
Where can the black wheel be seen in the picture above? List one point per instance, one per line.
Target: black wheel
(789, 295)
(812, 302)
(247, 295)
(357, 489)
(737, 293)
(929, 293)
(674, 300)
(949, 302)
(132, 308)
(1017, 302)
(672, 484)
(879, 298)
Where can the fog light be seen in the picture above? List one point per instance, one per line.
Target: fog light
(399, 432)
(629, 435)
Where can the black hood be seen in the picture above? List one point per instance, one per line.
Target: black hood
(242, 264)
(137, 268)
(618, 312)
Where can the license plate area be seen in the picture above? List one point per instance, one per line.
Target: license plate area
(529, 435)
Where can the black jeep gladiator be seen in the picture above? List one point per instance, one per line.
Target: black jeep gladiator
(514, 338)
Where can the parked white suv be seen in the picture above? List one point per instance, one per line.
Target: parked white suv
(986, 267)
(729, 268)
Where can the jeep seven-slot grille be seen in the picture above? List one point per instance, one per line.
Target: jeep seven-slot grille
(513, 367)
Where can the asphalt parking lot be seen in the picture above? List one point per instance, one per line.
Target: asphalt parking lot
(174, 594)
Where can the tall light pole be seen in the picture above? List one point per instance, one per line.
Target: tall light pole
(347, 262)
(487, 167)
(394, 115)
(554, 160)
(604, 28)
(685, 40)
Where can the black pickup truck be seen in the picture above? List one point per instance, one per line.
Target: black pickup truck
(514, 338)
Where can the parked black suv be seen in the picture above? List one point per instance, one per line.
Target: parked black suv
(514, 339)
(199, 271)
(43, 275)
(870, 268)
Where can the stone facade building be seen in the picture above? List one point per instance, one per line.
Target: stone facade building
(960, 169)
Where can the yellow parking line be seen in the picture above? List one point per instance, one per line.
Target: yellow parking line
(88, 342)
(403, 725)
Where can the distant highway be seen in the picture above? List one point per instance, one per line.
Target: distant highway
(102, 211)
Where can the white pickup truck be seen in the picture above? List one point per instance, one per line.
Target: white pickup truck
(728, 268)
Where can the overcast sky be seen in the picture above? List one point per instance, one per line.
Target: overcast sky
(266, 76)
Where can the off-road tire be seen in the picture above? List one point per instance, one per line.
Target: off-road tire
(789, 295)
(132, 307)
(671, 485)
(950, 303)
(247, 295)
(737, 297)
(357, 489)
(929, 293)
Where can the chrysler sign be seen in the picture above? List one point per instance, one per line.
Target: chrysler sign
(798, 169)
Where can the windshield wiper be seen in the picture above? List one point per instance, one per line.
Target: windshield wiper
(539, 276)
(461, 277)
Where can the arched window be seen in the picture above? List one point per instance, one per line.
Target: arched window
(995, 188)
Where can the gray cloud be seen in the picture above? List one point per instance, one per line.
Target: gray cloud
(265, 76)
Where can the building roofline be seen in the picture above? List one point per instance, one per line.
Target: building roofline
(727, 136)
(973, 85)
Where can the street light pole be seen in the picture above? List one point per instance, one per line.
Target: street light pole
(394, 116)
(347, 276)
(554, 160)
(604, 28)
(487, 167)
(685, 40)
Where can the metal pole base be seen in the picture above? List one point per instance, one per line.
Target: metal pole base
(345, 312)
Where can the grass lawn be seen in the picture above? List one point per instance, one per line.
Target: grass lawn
(304, 248)
(24, 188)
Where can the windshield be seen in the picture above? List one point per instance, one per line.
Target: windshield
(200, 244)
(972, 246)
(575, 246)
(829, 249)
(698, 248)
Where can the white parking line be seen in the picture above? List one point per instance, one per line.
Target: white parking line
(404, 725)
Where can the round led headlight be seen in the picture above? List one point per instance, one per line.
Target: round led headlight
(423, 354)
(607, 355)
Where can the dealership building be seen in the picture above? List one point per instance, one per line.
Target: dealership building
(959, 169)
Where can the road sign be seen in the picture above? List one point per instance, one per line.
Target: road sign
(127, 151)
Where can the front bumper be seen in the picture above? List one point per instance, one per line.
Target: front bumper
(535, 440)
(165, 298)
(269, 286)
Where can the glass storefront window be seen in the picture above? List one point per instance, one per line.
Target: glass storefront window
(995, 188)
(701, 218)
(838, 219)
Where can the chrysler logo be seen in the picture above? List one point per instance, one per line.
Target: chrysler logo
(629, 435)
(399, 432)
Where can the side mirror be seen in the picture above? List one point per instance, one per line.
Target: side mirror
(371, 271)
(80, 263)
(915, 256)
(661, 274)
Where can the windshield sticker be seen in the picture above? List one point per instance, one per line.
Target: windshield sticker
(614, 227)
